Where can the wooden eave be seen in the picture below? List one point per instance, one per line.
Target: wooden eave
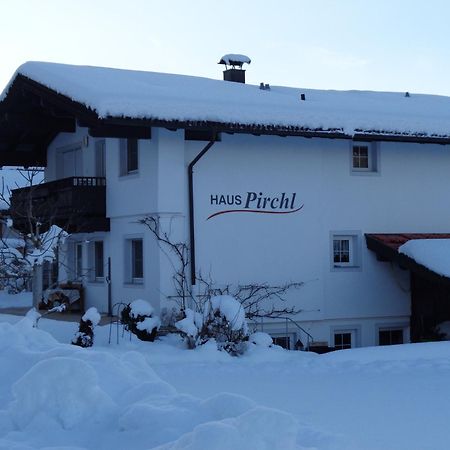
(32, 114)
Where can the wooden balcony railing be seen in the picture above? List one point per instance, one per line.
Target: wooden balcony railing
(76, 204)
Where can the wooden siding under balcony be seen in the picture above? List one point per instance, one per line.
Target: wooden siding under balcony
(76, 204)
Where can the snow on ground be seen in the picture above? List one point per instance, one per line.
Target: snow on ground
(141, 395)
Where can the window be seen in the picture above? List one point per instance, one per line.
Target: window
(99, 270)
(343, 340)
(137, 259)
(285, 340)
(100, 161)
(78, 260)
(390, 336)
(360, 157)
(132, 155)
(364, 158)
(135, 264)
(282, 341)
(341, 250)
(49, 274)
(129, 156)
(343, 337)
(345, 250)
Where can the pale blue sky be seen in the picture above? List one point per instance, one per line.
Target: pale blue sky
(392, 45)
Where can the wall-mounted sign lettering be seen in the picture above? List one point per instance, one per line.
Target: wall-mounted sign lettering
(254, 202)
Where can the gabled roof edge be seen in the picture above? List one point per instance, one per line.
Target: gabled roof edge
(86, 115)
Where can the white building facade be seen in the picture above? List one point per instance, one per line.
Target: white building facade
(322, 244)
(265, 209)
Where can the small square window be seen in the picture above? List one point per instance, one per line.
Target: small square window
(345, 250)
(341, 250)
(360, 157)
(390, 336)
(364, 157)
(343, 340)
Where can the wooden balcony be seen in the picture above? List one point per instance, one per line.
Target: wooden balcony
(76, 204)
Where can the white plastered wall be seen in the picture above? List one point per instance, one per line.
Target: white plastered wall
(408, 195)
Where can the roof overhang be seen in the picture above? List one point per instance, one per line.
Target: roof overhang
(31, 115)
(386, 248)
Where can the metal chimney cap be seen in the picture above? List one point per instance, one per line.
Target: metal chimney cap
(234, 60)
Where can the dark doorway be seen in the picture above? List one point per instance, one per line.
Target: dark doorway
(430, 306)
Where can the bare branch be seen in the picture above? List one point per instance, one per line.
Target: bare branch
(258, 300)
(181, 251)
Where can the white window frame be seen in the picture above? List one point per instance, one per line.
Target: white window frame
(93, 261)
(354, 330)
(391, 327)
(340, 241)
(342, 333)
(129, 263)
(354, 248)
(373, 160)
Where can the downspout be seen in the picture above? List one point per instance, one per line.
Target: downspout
(191, 206)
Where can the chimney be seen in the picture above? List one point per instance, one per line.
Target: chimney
(235, 72)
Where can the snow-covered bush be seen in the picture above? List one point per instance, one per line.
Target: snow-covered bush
(33, 316)
(84, 337)
(261, 339)
(20, 255)
(223, 319)
(190, 327)
(15, 270)
(138, 318)
(442, 330)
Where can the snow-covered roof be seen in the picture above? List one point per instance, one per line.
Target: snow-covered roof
(168, 97)
(434, 254)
